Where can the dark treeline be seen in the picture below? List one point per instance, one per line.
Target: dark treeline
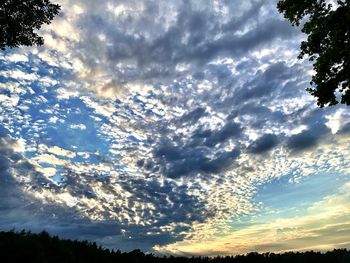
(28, 247)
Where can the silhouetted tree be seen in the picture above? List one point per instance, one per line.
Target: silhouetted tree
(327, 44)
(29, 247)
(20, 18)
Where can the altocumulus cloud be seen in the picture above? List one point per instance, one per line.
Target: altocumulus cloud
(148, 123)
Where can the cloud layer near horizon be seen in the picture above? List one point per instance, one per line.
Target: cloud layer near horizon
(156, 125)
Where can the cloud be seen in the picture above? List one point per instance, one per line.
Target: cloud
(307, 138)
(155, 42)
(345, 129)
(323, 227)
(175, 159)
(78, 126)
(263, 144)
(176, 162)
(230, 130)
(58, 208)
(145, 123)
(193, 116)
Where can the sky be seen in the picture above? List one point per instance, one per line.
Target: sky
(177, 127)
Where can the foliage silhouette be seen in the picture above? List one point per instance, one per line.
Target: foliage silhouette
(20, 18)
(328, 45)
(39, 248)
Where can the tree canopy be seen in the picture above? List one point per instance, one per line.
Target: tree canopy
(29, 247)
(20, 18)
(327, 27)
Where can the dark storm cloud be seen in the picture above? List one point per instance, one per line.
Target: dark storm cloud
(193, 116)
(264, 144)
(197, 155)
(211, 138)
(228, 131)
(308, 138)
(316, 131)
(175, 162)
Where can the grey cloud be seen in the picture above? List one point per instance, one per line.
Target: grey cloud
(268, 84)
(176, 162)
(197, 155)
(233, 46)
(193, 116)
(229, 130)
(314, 116)
(10, 159)
(237, 23)
(315, 120)
(264, 144)
(195, 37)
(345, 129)
(227, 45)
(20, 210)
(308, 138)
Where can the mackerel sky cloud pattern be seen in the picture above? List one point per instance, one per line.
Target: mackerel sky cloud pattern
(176, 127)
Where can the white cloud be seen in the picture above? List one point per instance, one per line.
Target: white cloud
(78, 126)
(9, 101)
(49, 159)
(336, 120)
(17, 58)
